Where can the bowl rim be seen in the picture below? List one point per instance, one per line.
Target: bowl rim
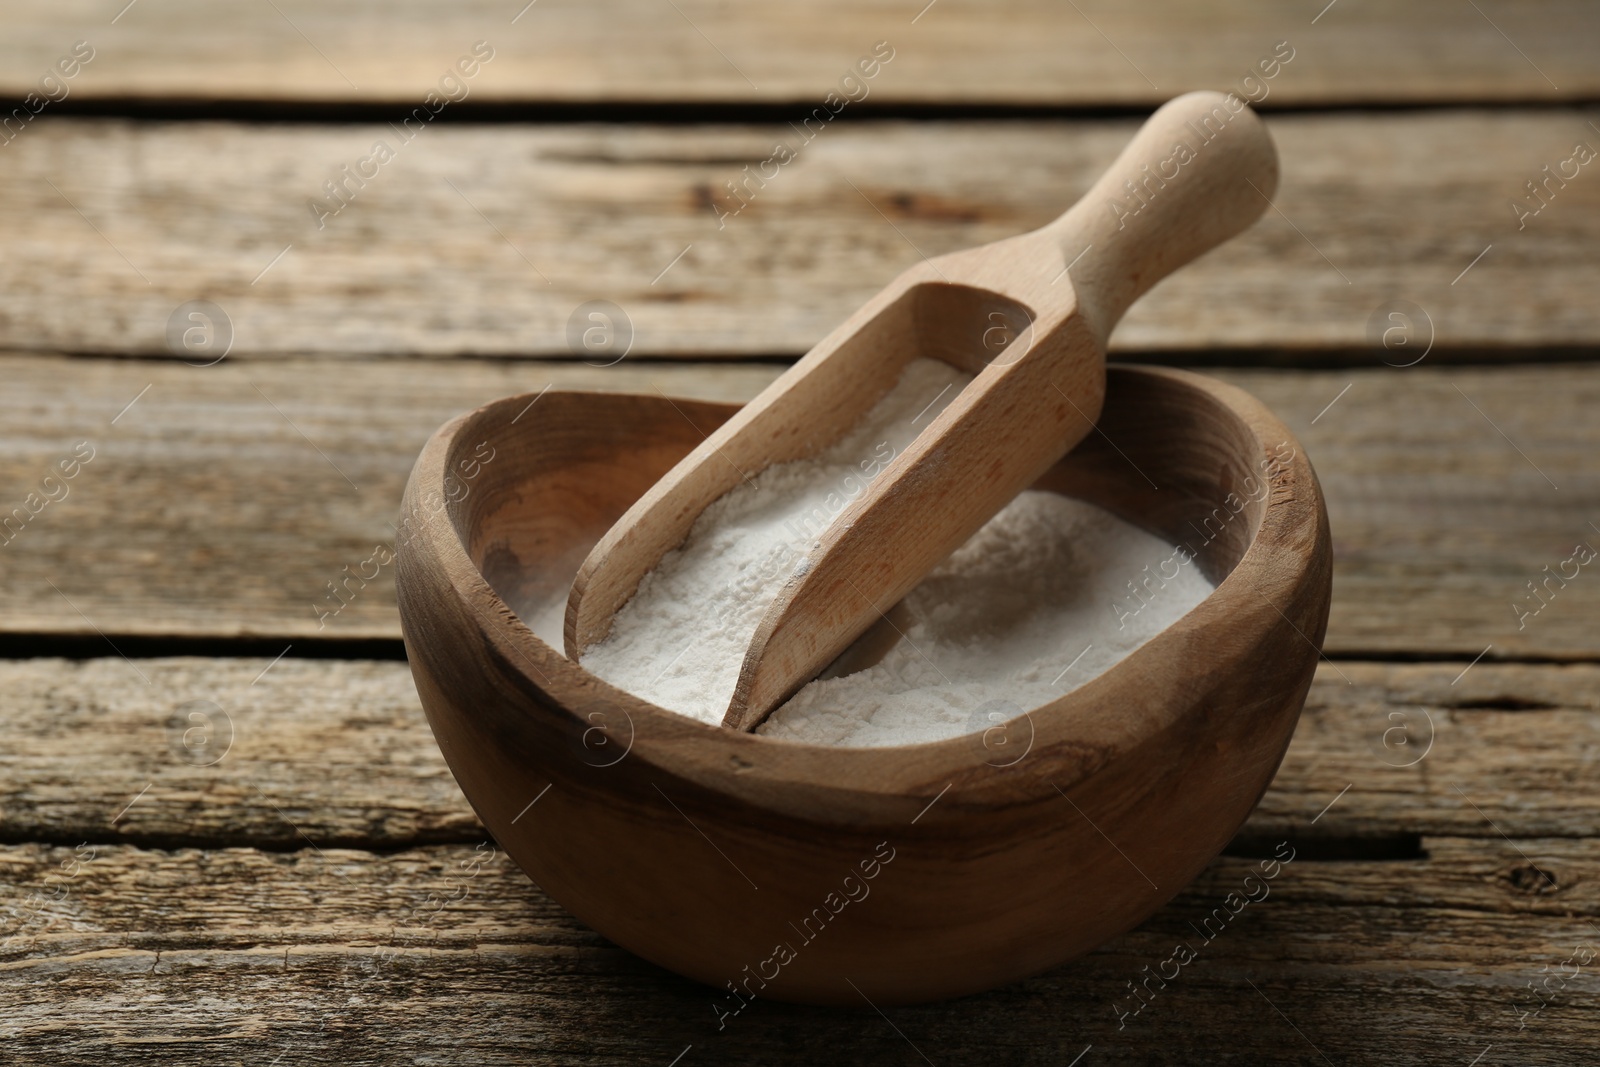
(1117, 711)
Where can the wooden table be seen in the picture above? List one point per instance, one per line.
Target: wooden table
(226, 833)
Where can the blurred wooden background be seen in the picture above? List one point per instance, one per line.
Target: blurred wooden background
(209, 854)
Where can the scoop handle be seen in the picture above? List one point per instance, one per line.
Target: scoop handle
(1201, 169)
(1198, 172)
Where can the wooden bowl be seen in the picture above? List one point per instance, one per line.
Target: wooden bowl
(819, 874)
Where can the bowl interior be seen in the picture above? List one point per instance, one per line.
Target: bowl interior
(1167, 456)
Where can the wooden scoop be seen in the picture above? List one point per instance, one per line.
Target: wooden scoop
(1028, 315)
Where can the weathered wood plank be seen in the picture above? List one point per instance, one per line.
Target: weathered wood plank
(262, 485)
(449, 955)
(199, 750)
(203, 752)
(1017, 52)
(486, 239)
(1448, 493)
(205, 512)
(1409, 748)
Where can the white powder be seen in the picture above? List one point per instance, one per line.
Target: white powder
(1027, 610)
(1036, 603)
(681, 640)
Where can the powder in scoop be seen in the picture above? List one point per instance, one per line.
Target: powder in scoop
(1036, 603)
(681, 640)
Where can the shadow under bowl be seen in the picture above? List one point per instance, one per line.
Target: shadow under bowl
(820, 874)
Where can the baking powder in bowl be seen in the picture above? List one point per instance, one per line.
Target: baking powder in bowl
(1049, 593)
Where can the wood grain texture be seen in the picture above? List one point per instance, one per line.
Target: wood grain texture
(337, 753)
(486, 239)
(207, 513)
(215, 517)
(448, 954)
(314, 752)
(1016, 52)
(266, 483)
